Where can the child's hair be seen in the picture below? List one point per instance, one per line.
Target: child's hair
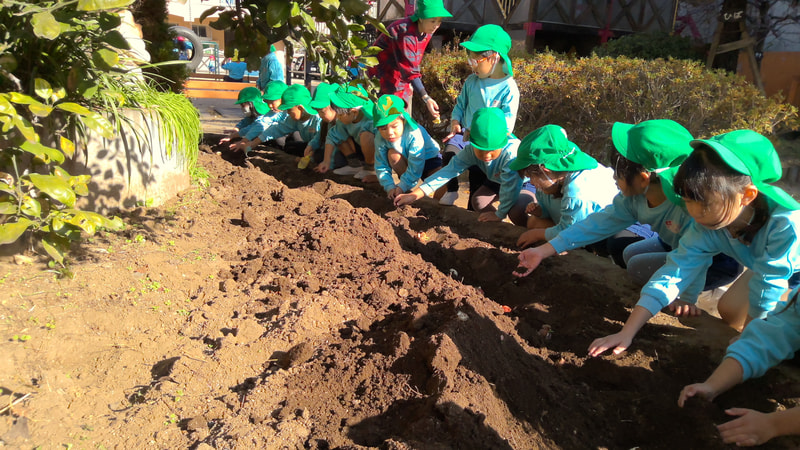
(627, 170)
(342, 111)
(703, 177)
(484, 53)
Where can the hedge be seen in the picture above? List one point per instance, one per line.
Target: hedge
(587, 95)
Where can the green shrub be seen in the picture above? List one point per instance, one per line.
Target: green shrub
(587, 95)
(651, 46)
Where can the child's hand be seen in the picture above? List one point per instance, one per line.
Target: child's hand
(684, 309)
(530, 237)
(404, 199)
(489, 216)
(530, 260)
(455, 128)
(224, 140)
(702, 390)
(241, 145)
(751, 428)
(619, 342)
(308, 151)
(394, 192)
(322, 167)
(534, 209)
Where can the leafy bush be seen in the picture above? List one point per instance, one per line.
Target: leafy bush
(651, 46)
(587, 95)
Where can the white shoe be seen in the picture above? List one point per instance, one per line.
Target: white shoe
(347, 170)
(363, 173)
(449, 198)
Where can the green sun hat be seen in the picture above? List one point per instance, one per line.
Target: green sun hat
(296, 95)
(750, 153)
(351, 96)
(274, 90)
(550, 147)
(388, 108)
(655, 144)
(322, 95)
(253, 95)
(428, 9)
(489, 130)
(491, 37)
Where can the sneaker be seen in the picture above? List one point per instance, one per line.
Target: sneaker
(347, 170)
(364, 173)
(449, 198)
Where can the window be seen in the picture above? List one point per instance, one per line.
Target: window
(200, 30)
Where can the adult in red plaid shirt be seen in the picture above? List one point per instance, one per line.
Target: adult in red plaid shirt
(399, 62)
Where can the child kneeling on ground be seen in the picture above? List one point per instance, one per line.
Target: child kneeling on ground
(403, 146)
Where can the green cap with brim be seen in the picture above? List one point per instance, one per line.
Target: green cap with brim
(253, 95)
(489, 130)
(550, 147)
(274, 90)
(296, 95)
(667, 177)
(655, 144)
(750, 153)
(491, 37)
(351, 96)
(388, 108)
(428, 9)
(322, 95)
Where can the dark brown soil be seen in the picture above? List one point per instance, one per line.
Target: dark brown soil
(279, 308)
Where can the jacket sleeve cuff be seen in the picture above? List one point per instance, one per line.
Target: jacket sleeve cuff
(427, 189)
(650, 304)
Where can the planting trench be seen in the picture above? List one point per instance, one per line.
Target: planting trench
(326, 318)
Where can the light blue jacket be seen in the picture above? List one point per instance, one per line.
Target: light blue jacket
(773, 256)
(261, 123)
(480, 93)
(246, 121)
(339, 132)
(496, 170)
(271, 70)
(416, 146)
(584, 192)
(307, 129)
(766, 342)
(236, 69)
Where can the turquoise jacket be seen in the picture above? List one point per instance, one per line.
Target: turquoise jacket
(246, 121)
(307, 129)
(584, 192)
(496, 170)
(766, 342)
(271, 70)
(416, 146)
(339, 132)
(480, 93)
(773, 256)
(261, 123)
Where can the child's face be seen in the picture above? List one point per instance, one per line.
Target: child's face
(487, 156)
(327, 114)
(295, 112)
(714, 213)
(274, 104)
(543, 179)
(392, 131)
(429, 26)
(483, 66)
(637, 186)
(348, 118)
(248, 110)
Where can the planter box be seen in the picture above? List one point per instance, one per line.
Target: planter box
(127, 171)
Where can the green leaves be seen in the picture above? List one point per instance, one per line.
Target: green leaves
(45, 25)
(98, 5)
(278, 12)
(10, 232)
(105, 58)
(55, 187)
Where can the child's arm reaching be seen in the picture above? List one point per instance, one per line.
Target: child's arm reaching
(755, 428)
(622, 340)
(727, 375)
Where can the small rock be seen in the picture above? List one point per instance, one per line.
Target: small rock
(228, 285)
(196, 423)
(21, 260)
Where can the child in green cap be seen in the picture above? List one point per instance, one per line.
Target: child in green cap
(763, 344)
(643, 156)
(569, 184)
(322, 103)
(402, 146)
(491, 84)
(353, 134)
(399, 62)
(492, 149)
(724, 184)
(253, 107)
(301, 120)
